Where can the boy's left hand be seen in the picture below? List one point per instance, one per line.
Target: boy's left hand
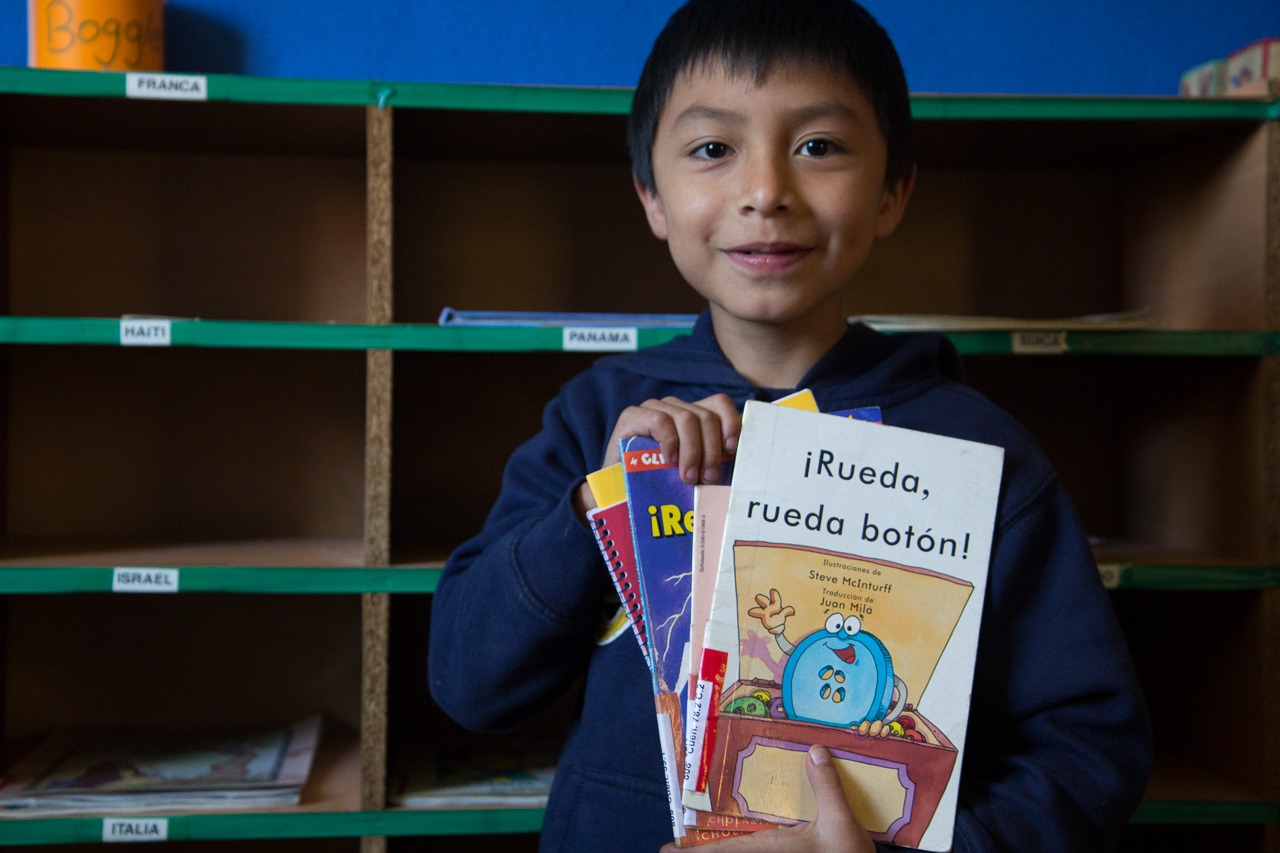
(836, 829)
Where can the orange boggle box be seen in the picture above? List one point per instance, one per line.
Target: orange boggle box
(96, 35)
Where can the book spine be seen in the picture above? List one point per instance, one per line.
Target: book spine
(668, 714)
(704, 718)
(695, 836)
(620, 573)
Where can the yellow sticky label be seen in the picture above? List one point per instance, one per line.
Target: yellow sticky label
(799, 400)
(607, 485)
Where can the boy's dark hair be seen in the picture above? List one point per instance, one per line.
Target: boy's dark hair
(751, 36)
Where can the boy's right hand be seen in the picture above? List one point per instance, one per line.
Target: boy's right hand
(693, 436)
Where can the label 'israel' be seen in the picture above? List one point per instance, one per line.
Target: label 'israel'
(127, 579)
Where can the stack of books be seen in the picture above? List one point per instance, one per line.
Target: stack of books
(96, 772)
(828, 591)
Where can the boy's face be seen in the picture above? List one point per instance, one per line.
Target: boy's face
(770, 195)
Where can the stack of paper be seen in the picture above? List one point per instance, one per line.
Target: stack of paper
(84, 771)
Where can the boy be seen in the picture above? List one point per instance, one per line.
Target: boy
(771, 146)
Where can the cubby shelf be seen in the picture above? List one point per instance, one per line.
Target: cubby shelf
(1027, 206)
(238, 334)
(228, 826)
(609, 100)
(488, 821)
(422, 578)
(237, 579)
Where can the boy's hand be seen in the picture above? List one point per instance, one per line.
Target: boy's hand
(836, 829)
(694, 437)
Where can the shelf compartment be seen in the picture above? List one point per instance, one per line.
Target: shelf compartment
(1181, 793)
(409, 337)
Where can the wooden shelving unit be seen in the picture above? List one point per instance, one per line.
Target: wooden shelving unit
(310, 445)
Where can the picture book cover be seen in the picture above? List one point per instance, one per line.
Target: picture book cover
(846, 612)
(661, 508)
(710, 505)
(91, 770)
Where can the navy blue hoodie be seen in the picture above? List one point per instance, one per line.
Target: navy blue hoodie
(1058, 745)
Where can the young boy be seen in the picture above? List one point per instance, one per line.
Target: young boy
(771, 147)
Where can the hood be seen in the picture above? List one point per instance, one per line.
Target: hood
(864, 366)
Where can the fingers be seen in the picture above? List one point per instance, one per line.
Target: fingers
(756, 613)
(730, 420)
(775, 597)
(787, 611)
(692, 435)
(765, 602)
(835, 818)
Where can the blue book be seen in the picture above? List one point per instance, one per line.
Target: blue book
(454, 317)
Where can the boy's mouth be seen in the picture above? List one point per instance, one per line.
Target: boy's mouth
(767, 257)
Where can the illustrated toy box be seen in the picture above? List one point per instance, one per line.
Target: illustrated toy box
(840, 650)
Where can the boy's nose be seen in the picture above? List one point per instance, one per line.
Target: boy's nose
(767, 189)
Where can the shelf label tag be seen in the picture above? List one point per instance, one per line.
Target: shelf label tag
(144, 580)
(599, 339)
(144, 333)
(166, 87)
(1110, 573)
(135, 829)
(1039, 343)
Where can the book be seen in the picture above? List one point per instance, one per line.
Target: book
(466, 777)
(454, 317)
(704, 686)
(1206, 80)
(611, 526)
(968, 323)
(710, 505)
(612, 529)
(661, 511)
(846, 612)
(97, 771)
(1251, 67)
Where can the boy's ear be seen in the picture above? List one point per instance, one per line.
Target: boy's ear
(893, 203)
(652, 209)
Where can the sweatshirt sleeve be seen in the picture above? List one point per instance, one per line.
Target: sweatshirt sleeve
(514, 613)
(1059, 744)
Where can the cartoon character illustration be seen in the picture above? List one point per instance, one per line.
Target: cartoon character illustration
(838, 675)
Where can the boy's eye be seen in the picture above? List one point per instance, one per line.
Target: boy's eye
(712, 151)
(817, 147)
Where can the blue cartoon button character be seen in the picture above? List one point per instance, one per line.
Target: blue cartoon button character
(837, 676)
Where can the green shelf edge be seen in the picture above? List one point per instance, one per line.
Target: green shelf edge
(208, 827)
(235, 579)
(250, 580)
(617, 101)
(434, 338)
(1200, 578)
(1206, 812)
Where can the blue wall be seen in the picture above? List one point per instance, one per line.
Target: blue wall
(1068, 47)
